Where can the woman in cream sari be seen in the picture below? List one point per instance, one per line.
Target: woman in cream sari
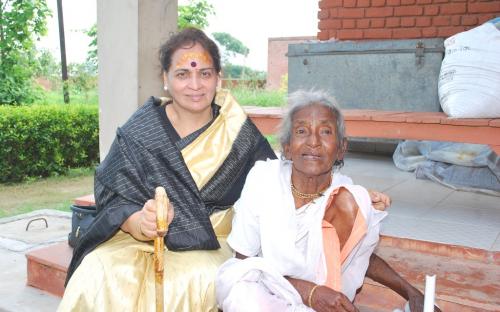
(199, 145)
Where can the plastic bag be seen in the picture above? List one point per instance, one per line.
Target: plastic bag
(469, 81)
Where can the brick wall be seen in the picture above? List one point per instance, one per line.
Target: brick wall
(401, 19)
(277, 61)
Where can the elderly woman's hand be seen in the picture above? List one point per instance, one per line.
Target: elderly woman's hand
(380, 201)
(326, 299)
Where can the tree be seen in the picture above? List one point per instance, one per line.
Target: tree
(194, 14)
(21, 23)
(92, 53)
(232, 46)
(47, 68)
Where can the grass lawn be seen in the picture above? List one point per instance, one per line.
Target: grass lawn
(50, 193)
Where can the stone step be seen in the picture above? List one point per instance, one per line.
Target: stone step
(467, 279)
(47, 267)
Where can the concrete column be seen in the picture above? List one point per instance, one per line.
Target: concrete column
(130, 33)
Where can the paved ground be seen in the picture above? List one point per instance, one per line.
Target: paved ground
(421, 210)
(15, 241)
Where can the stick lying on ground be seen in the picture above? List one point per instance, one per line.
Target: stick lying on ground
(162, 228)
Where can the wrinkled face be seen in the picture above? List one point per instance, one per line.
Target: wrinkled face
(313, 144)
(192, 79)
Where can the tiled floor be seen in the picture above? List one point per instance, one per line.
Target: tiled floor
(425, 210)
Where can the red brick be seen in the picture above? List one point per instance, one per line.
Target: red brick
(431, 10)
(407, 21)
(453, 8)
(378, 3)
(363, 3)
(445, 32)
(379, 33)
(323, 35)
(349, 4)
(429, 32)
(323, 14)
(363, 23)
(469, 20)
(330, 24)
(349, 23)
(332, 34)
(334, 12)
(379, 12)
(484, 7)
(323, 4)
(406, 33)
(424, 1)
(377, 23)
(461, 0)
(441, 21)
(349, 34)
(407, 2)
(393, 2)
(392, 22)
(484, 18)
(455, 20)
(441, 1)
(408, 11)
(423, 21)
(351, 12)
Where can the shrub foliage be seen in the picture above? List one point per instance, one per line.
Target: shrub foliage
(44, 140)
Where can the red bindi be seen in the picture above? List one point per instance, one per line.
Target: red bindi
(193, 64)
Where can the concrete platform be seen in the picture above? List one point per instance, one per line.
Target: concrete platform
(15, 293)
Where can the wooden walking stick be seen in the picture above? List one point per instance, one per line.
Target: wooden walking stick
(161, 229)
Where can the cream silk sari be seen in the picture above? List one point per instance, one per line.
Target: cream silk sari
(119, 274)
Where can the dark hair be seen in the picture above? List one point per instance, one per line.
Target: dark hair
(188, 37)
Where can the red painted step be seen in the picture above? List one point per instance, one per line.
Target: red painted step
(47, 267)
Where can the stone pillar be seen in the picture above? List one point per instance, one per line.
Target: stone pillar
(130, 33)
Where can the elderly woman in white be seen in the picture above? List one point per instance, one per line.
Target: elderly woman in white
(302, 233)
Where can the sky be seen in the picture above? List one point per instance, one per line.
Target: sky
(252, 22)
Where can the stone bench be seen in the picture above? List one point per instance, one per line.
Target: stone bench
(434, 126)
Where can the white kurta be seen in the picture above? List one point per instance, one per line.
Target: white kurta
(284, 241)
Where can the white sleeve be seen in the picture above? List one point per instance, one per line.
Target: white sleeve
(245, 234)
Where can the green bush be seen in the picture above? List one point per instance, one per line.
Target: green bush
(45, 140)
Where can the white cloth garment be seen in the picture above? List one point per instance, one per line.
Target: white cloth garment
(283, 241)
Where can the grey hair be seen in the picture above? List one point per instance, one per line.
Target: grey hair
(301, 99)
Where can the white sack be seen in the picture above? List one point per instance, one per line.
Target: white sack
(469, 81)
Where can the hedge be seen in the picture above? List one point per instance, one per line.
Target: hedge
(40, 141)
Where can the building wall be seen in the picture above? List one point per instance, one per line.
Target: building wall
(401, 19)
(277, 60)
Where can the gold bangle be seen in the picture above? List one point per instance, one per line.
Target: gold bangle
(311, 293)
